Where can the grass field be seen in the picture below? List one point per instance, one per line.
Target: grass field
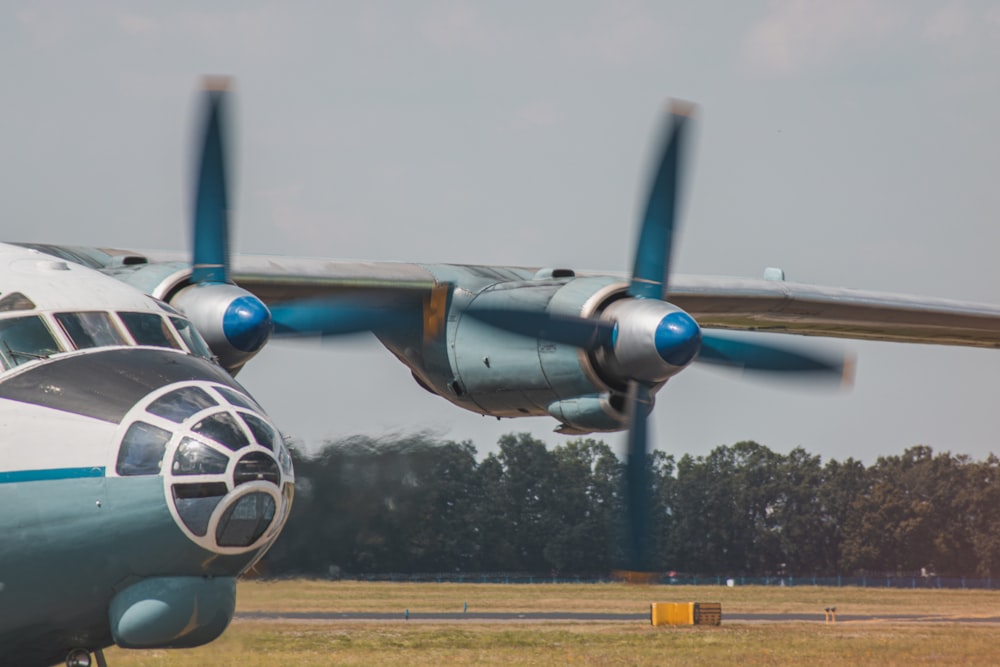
(257, 643)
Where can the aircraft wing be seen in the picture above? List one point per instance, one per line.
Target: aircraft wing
(277, 279)
(799, 308)
(714, 301)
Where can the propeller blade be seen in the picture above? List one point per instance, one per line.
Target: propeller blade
(210, 259)
(335, 317)
(755, 356)
(637, 481)
(581, 332)
(651, 267)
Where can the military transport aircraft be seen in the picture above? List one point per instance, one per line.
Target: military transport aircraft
(138, 478)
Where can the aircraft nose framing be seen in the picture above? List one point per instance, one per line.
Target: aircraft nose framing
(227, 475)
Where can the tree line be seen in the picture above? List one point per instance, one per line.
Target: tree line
(413, 504)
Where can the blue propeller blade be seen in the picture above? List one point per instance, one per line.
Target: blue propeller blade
(332, 317)
(638, 481)
(581, 332)
(210, 260)
(651, 267)
(754, 356)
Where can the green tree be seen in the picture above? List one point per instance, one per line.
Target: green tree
(912, 516)
(584, 503)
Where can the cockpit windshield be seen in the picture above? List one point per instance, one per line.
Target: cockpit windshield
(29, 338)
(149, 329)
(24, 339)
(191, 337)
(89, 329)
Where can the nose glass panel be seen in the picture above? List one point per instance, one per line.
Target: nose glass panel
(180, 404)
(142, 449)
(257, 466)
(228, 475)
(195, 504)
(245, 521)
(196, 458)
(224, 429)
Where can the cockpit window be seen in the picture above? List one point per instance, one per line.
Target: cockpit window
(180, 404)
(91, 329)
(149, 329)
(194, 341)
(15, 301)
(24, 339)
(142, 449)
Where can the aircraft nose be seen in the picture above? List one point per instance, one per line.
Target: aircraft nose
(227, 474)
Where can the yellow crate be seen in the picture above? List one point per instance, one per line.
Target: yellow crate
(685, 613)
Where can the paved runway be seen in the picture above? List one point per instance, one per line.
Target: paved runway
(597, 617)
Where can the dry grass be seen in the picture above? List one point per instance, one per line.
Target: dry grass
(255, 643)
(303, 595)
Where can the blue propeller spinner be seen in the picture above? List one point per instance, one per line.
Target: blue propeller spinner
(645, 340)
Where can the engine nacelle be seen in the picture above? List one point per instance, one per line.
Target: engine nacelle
(653, 340)
(491, 371)
(586, 414)
(235, 323)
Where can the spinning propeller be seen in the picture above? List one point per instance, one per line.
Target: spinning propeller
(235, 323)
(641, 340)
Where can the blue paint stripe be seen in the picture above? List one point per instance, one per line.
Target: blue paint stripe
(15, 476)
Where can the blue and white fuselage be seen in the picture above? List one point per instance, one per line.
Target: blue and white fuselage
(137, 477)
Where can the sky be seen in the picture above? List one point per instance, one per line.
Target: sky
(851, 143)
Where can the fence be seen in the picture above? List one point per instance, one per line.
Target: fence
(871, 581)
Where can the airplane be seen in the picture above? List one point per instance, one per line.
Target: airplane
(139, 478)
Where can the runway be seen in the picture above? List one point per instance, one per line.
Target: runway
(597, 617)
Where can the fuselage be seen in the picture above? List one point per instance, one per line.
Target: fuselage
(137, 477)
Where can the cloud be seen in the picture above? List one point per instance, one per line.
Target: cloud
(457, 26)
(136, 25)
(50, 24)
(947, 23)
(967, 30)
(620, 33)
(542, 113)
(798, 35)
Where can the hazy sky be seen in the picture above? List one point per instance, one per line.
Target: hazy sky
(852, 143)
